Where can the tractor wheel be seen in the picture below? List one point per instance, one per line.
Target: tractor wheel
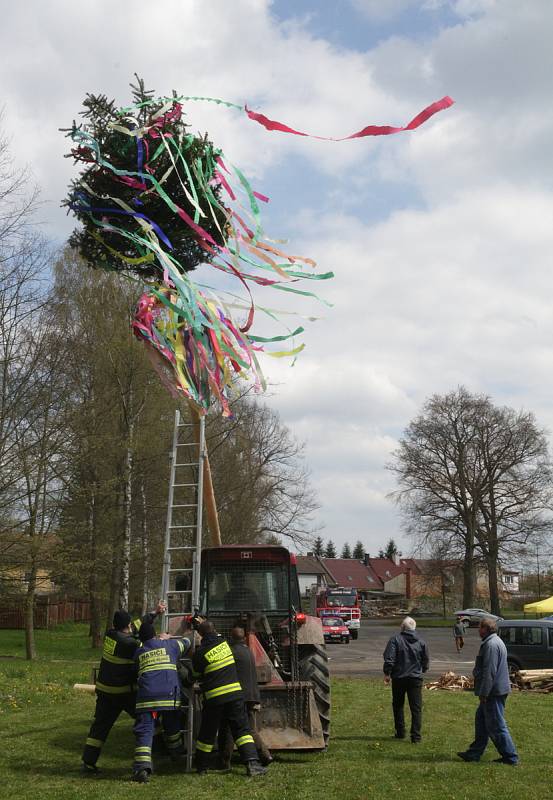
(314, 668)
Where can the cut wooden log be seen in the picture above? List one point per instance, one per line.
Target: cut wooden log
(84, 687)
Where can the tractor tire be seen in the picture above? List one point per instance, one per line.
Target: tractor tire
(314, 668)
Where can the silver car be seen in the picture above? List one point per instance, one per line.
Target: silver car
(472, 616)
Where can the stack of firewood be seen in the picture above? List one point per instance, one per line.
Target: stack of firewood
(452, 682)
(536, 680)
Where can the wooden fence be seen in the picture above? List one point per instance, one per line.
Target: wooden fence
(47, 613)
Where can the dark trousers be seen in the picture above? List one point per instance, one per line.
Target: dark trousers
(108, 709)
(489, 723)
(412, 687)
(214, 717)
(144, 734)
(226, 742)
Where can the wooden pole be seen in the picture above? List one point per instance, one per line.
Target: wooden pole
(209, 495)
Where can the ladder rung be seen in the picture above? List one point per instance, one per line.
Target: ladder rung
(176, 569)
(182, 547)
(186, 444)
(185, 425)
(188, 464)
(179, 591)
(178, 485)
(176, 613)
(172, 527)
(184, 569)
(185, 505)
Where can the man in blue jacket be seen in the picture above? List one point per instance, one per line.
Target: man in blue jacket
(115, 685)
(158, 693)
(491, 686)
(405, 660)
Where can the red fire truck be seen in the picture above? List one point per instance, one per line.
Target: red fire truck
(341, 602)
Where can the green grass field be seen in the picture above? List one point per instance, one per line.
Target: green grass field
(43, 723)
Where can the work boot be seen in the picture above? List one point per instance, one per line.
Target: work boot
(177, 753)
(254, 768)
(89, 769)
(142, 776)
(266, 760)
(221, 767)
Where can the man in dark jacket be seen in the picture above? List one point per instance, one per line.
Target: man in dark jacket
(491, 686)
(247, 677)
(158, 694)
(405, 660)
(223, 701)
(115, 685)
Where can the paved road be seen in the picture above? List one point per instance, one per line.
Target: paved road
(364, 656)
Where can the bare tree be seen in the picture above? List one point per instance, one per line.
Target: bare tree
(514, 459)
(260, 477)
(29, 391)
(478, 476)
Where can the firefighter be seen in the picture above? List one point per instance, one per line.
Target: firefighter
(158, 694)
(223, 701)
(115, 689)
(247, 676)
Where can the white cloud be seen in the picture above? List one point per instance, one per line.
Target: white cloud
(454, 291)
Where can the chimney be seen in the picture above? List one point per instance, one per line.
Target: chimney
(366, 559)
(397, 559)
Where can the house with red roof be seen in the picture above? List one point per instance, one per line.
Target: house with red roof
(349, 572)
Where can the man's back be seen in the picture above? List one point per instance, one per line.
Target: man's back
(406, 656)
(247, 674)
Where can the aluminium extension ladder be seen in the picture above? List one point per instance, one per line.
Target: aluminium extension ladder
(180, 588)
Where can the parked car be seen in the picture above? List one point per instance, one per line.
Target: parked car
(472, 616)
(334, 630)
(529, 642)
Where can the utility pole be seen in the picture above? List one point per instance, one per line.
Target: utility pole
(538, 568)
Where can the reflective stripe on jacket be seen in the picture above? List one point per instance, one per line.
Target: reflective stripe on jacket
(158, 679)
(215, 668)
(116, 674)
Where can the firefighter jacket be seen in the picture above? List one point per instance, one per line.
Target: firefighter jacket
(158, 679)
(246, 671)
(215, 668)
(117, 673)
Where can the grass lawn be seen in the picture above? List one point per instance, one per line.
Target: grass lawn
(43, 724)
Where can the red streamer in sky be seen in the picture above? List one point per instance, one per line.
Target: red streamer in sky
(369, 130)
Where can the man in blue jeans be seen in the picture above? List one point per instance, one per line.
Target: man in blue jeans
(491, 686)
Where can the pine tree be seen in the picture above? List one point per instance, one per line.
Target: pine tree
(330, 550)
(359, 551)
(390, 551)
(115, 249)
(319, 546)
(346, 551)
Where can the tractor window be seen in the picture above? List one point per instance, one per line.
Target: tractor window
(257, 586)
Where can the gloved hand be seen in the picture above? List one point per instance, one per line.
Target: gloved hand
(185, 674)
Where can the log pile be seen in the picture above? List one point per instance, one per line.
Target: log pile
(375, 610)
(452, 683)
(535, 680)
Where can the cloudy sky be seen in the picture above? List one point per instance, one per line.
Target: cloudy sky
(441, 239)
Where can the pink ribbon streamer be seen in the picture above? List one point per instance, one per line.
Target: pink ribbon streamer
(369, 130)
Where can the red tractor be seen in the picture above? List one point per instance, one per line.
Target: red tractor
(256, 587)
